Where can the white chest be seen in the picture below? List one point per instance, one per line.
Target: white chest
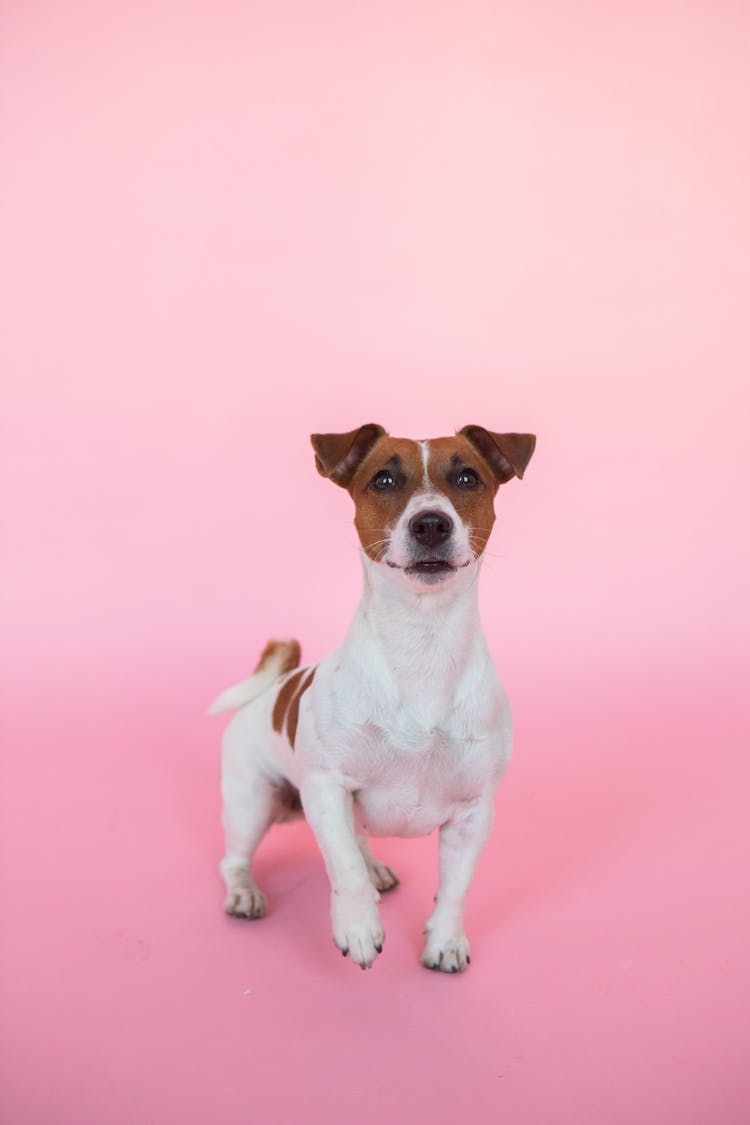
(412, 767)
(411, 792)
(414, 728)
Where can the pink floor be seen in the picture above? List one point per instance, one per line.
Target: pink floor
(609, 924)
(223, 227)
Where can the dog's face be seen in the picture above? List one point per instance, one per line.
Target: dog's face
(423, 509)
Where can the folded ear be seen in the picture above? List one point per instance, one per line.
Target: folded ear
(507, 454)
(338, 456)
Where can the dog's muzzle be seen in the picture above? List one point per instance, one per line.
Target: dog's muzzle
(430, 534)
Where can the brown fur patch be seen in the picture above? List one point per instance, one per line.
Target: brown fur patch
(289, 653)
(338, 455)
(377, 512)
(284, 698)
(293, 716)
(507, 454)
(286, 707)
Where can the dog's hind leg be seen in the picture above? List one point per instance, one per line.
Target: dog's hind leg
(250, 807)
(252, 798)
(382, 878)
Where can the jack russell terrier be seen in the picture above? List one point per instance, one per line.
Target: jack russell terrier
(405, 727)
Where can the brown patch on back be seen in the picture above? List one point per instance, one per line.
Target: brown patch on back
(284, 698)
(293, 716)
(286, 653)
(286, 707)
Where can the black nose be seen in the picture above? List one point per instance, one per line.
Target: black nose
(430, 528)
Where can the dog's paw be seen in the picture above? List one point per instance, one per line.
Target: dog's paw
(357, 931)
(245, 901)
(381, 877)
(447, 953)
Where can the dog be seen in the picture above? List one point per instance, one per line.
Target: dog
(405, 727)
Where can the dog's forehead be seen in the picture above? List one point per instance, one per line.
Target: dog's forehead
(446, 450)
(433, 456)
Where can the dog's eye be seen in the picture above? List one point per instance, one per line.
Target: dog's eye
(467, 478)
(383, 481)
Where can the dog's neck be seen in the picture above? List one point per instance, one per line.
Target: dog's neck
(419, 635)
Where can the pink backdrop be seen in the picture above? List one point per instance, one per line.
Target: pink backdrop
(225, 226)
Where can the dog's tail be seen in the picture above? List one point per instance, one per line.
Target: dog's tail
(277, 658)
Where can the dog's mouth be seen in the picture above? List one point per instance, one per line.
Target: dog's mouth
(432, 571)
(430, 566)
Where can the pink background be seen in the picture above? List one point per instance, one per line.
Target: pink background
(225, 226)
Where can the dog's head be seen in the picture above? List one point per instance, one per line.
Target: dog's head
(423, 509)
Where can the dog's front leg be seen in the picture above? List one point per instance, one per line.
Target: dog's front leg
(461, 841)
(329, 809)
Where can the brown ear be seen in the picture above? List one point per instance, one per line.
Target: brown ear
(507, 454)
(338, 456)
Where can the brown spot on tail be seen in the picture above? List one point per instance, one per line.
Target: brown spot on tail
(286, 707)
(286, 654)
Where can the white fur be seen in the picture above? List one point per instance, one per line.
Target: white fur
(404, 730)
(424, 449)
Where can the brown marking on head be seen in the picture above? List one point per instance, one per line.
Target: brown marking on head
(285, 654)
(449, 458)
(351, 460)
(293, 716)
(356, 459)
(377, 512)
(495, 458)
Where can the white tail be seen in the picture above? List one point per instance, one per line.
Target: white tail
(278, 657)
